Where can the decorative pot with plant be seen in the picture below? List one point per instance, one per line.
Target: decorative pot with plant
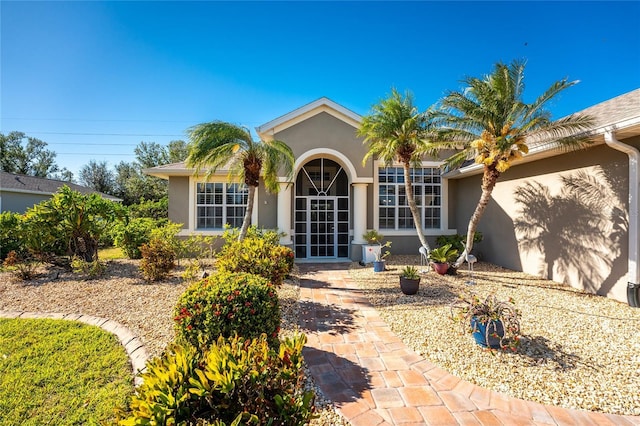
(492, 322)
(441, 257)
(380, 255)
(409, 280)
(369, 250)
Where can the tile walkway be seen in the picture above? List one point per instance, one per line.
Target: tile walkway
(374, 379)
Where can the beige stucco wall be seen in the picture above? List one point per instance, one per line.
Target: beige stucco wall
(594, 259)
(267, 205)
(325, 131)
(179, 200)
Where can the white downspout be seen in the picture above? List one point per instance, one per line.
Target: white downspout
(633, 273)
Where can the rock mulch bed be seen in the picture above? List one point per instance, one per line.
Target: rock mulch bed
(124, 296)
(578, 350)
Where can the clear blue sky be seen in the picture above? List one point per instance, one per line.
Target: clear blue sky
(93, 79)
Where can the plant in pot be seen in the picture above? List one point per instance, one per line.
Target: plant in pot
(441, 257)
(493, 323)
(380, 255)
(369, 250)
(409, 280)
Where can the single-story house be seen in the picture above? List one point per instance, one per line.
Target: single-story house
(333, 199)
(18, 193)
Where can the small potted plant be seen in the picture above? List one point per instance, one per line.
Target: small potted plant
(441, 257)
(380, 255)
(372, 248)
(493, 323)
(409, 280)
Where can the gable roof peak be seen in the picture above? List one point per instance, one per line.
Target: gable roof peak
(323, 104)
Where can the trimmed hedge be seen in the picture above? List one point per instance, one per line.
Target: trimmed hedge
(227, 304)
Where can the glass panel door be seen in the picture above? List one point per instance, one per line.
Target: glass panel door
(322, 227)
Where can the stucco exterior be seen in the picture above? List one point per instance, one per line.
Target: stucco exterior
(563, 254)
(536, 222)
(178, 200)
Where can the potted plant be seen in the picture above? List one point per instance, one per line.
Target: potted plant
(441, 257)
(493, 323)
(380, 255)
(372, 248)
(409, 280)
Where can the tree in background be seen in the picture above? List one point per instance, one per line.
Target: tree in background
(223, 145)
(98, 176)
(132, 185)
(31, 158)
(489, 122)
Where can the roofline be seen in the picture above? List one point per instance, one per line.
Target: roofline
(324, 104)
(30, 191)
(545, 150)
(165, 173)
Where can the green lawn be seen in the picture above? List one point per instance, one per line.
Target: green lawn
(110, 253)
(60, 372)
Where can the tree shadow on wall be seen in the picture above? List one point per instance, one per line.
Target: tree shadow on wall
(578, 231)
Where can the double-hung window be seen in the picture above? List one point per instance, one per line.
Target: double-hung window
(394, 213)
(219, 203)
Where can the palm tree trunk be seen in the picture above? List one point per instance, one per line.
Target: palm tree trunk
(489, 178)
(412, 205)
(247, 215)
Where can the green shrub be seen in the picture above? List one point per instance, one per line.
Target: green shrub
(92, 270)
(457, 241)
(71, 219)
(235, 380)
(130, 236)
(258, 256)
(10, 240)
(158, 259)
(231, 234)
(157, 210)
(227, 304)
(22, 266)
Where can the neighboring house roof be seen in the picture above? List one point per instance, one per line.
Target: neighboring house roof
(267, 130)
(10, 182)
(620, 114)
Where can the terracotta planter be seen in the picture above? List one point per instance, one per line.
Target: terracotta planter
(440, 268)
(409, 286)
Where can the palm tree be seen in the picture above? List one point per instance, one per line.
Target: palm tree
(219, 144)
(489, 122)
(395, 131)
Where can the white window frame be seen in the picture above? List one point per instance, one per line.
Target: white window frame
(444, 203)
(193, 211)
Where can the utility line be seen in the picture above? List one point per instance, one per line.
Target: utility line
(98, 134)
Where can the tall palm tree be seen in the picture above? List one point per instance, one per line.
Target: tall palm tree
(219, 144)
(489, 122)
(395, 131)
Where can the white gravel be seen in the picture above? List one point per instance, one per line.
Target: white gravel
(578, 350)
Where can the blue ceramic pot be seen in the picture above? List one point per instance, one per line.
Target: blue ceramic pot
(378, 266)
(492, 340)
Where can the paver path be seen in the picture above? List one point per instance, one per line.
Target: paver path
(374, 379)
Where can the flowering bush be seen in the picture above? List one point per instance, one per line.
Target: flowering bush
(235, 381)
(256, 255)
(227, 304)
